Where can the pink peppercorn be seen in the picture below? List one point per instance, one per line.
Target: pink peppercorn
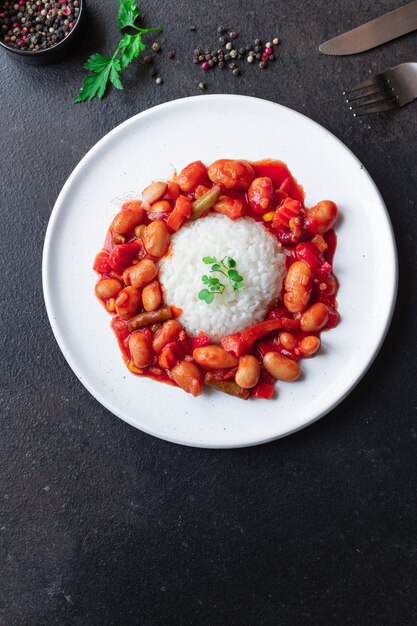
(22, 3)
(268, 51)
(2, 15)
(20, 42)
(24, 29)
(205, 65)
(66, 11)
(71, 24)
(15, 25)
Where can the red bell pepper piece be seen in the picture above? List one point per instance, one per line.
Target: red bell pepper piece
(263, 390)
(251, 335)
(182, 211)
(200, 341)
(307, 252)
(233, 343)
(232, 207)
(171, 355)
(122, 256)
(101, 262)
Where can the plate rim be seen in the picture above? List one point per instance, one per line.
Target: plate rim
(59, 336)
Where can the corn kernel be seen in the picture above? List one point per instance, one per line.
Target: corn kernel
(268, 217)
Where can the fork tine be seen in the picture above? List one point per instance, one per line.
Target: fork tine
(381, 97)
(366, 83)
(381, 89)
(379, 108)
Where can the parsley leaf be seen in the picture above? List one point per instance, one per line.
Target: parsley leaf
(106, 70)
(128, 13)
(130, 46)
(95, 84)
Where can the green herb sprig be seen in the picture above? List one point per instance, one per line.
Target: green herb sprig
(226, 267)
(106, 70)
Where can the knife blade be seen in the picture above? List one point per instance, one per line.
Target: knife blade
(374, 33)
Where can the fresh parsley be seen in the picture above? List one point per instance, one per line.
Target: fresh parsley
(105, 70)
(226, 267)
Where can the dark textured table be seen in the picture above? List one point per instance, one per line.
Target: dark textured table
(101, 524)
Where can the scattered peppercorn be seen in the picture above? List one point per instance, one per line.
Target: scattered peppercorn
(262, 65)
(193, 28)
(156, 47)
(233, 35)
(221, 29)
(148, 59)
(158, 80)
(202, 86)
(235, 72)
(233, 54)
(275, 41)
(221, 40)
(250, 59)
(229, 45)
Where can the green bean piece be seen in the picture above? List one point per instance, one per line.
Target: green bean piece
(205, 202)
(148, 318)
(229, 387)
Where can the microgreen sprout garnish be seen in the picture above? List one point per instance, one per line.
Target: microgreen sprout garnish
(226, 267)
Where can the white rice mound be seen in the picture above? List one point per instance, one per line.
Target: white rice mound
(259, 259)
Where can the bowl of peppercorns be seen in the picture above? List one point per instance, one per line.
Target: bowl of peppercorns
(39, 31)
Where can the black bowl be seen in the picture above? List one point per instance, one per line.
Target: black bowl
(54, 53)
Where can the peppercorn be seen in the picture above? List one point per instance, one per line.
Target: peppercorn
(268, 44)
(221, 29)
(222, 65)
(233, 35)
(222, 40)
(197, 52)
(201, 57)
(226, 57)
(232, 66)
(258, 42)
(195, 60)
(158, 80)
(250, 59)
(148, 59)
(214, 59)
(257, 48)
(258, 56)
(275, 41)
(156, 47)
(208, 57)
(236, 72)
(229, 46)
(210, 63)
(233, 54)
(193, 28)
(202, 86)
(271, 57)
(262, 65)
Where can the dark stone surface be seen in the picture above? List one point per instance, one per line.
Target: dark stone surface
(101, 524)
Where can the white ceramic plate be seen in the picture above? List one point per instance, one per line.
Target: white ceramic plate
(148, 147)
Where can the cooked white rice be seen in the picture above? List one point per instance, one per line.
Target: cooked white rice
(259, 260)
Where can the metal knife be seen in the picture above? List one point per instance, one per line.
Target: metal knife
(374, 33)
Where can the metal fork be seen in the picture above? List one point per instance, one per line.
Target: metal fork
(384, 92)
